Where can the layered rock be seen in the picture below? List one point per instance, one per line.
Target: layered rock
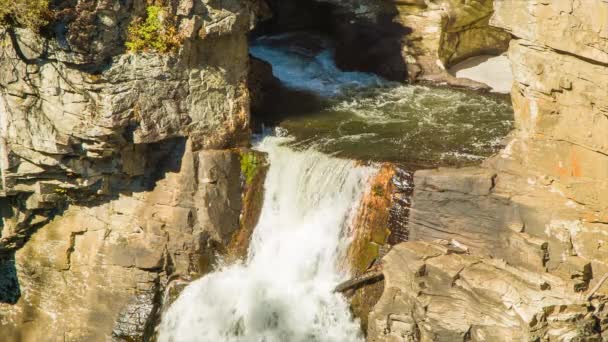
(74, 106)
(530, 225)
(435, 293)
(420, 39)
(97, 270)
(119, 169)
(400, 40)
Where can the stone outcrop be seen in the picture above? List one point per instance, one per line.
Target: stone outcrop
(419, 39)
(530, 224)
(435, 294)
(101, 269)
(74, 107)
(121, 170)
(403, 40)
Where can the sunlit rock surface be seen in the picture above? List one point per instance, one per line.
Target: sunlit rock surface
(494, 71)
(435, 293)
(116, 176)
(100, 270)
(402, 40)
(528, 228)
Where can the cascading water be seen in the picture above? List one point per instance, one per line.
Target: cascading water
(284, 290)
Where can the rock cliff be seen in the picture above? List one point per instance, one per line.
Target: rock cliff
(418, 39)
(515, 249)
(119, 172)
(404, 40)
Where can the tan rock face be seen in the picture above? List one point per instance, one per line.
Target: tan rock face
(119, 177)
(433, 294)
(100, 270)
(77, 111)
(532, 220)
(72, 111)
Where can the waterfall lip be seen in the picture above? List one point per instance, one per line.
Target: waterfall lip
(284, 290)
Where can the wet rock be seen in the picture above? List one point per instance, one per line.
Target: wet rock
(135, 321)
(380, 224)
(254, 166)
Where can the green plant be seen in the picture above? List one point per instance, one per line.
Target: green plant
(157, 32)
(249, 166)
(27, 13)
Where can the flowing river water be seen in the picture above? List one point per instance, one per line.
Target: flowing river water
(283, 291)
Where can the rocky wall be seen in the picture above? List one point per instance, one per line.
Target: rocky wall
(120, 170)
(399, 40)
(515, 249)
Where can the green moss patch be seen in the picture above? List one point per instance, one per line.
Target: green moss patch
(250, 162)
(156, 33)
(27, 13)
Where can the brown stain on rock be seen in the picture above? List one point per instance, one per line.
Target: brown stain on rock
(370, 235)
(371, 225)
(576, 166)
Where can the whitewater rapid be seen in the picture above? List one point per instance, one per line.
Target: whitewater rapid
(363, 116)
(283, 292)
(314, 71)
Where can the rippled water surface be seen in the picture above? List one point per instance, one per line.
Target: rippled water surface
(362, 116)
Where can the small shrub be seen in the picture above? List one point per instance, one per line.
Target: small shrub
(157, 32)
(249, 166)
(26, 13)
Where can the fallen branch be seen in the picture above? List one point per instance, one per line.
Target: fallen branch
(597, 286)
(355, 282)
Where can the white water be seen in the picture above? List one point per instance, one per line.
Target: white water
(318, 73)
(283, 291)
(365, 117)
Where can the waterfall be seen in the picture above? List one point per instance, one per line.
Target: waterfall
(283, 292)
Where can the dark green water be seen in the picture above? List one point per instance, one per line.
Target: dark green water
(360, 116)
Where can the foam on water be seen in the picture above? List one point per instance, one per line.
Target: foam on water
(305, 70)
(284, 290)
(362, 116)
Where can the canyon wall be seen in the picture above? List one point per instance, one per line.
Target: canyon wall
(415, 40)
(517, 249)
(120, 170)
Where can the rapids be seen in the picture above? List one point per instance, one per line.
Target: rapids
(362, 116)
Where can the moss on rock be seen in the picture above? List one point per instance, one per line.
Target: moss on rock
(253, 172)
(156, 33)
(27, 13)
